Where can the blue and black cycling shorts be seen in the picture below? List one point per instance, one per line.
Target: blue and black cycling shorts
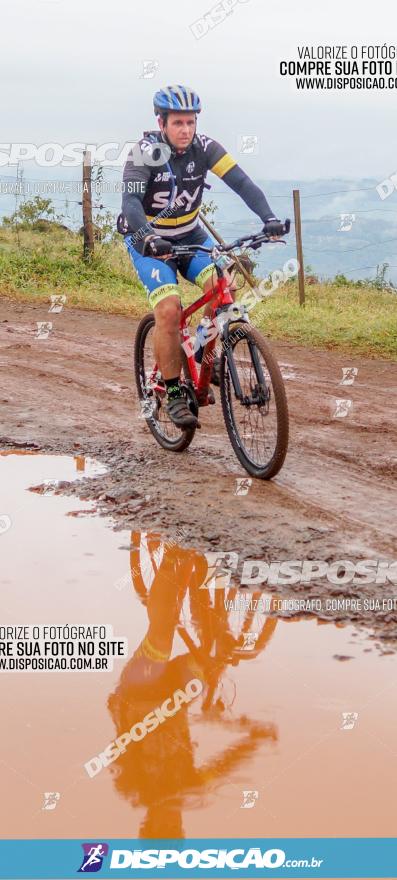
(160, 278)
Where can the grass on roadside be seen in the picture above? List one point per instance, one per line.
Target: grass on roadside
(361, 320)
(46, 264)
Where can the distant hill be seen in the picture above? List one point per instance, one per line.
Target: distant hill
(327, 248)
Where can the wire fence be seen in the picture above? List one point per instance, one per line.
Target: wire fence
(227, 228)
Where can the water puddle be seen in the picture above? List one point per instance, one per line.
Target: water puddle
(229, 722)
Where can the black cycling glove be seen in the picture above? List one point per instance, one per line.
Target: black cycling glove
(155, 246)
(273, 226)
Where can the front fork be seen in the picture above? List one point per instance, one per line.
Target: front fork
(227, 331)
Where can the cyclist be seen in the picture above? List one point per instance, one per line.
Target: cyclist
(162, 769)
(160, 207)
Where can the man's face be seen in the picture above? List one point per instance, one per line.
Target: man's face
(180, 129)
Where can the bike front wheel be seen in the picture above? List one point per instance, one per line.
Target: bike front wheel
(254, 402)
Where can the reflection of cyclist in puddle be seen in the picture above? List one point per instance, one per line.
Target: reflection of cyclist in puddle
(159, 771)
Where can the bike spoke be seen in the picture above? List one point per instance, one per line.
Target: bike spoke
(255, 422)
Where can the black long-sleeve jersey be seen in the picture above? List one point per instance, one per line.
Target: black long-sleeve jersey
(168, 196)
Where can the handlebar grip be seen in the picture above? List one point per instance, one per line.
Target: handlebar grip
(276, 228)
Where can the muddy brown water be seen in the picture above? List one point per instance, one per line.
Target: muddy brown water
(334, 499)
(277, 726)
(312, 736)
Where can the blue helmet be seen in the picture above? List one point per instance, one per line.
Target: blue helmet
(176, 99)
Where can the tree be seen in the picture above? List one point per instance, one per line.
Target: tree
(208, 210)
(105, 226)
(31, 211)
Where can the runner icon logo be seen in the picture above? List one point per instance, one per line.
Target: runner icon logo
(250, 639)
(349, 375)
(94, 854)
(348, 720)
(149, 68)
(250, 799)
(43, 329)
(346, 222)
(57, 303)
(343, 407)
(243, 485)
(148, 408)
(51, 799)
(249, 144)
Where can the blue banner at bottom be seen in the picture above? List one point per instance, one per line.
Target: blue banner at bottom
(209, 858)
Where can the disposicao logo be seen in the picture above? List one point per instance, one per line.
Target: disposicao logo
(94, 854)
(194, 858)
(247, 859)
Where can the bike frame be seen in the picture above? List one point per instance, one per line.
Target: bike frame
(219, 296)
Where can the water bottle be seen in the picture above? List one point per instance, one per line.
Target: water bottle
(201, 338)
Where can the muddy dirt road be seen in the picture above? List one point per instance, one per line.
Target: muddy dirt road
(334, 499)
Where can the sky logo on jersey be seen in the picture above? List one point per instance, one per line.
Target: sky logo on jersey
(185, 200)
(94, 854)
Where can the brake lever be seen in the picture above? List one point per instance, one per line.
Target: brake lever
(268, 240)
(263, 238)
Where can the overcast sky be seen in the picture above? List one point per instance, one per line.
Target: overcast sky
(71, 70)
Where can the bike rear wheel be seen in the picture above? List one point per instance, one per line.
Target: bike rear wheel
(257, 424)
(153, 399)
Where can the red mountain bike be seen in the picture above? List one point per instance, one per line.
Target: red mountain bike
(252, 392)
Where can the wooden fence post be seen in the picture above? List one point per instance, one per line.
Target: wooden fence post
(299, 251)
(88, 247)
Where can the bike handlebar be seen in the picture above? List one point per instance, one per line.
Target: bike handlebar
(255, 240)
